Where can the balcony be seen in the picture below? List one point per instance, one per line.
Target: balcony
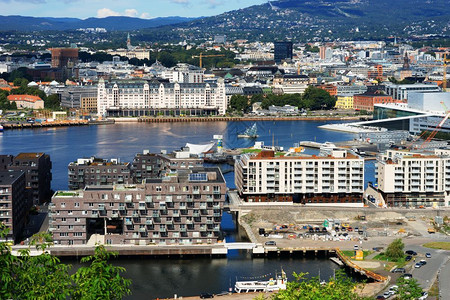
(135, 215)
(121, 207)
(196, 214)
(148, 199)
(128, 222)
(217, 215)
(114, 215)
(183, 229)
(175, 214)
(162, 229)
(148, 222)
(142, 229)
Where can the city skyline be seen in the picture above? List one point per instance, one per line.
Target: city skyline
(135, 8)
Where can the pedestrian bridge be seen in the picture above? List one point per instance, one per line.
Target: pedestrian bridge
(239, 246)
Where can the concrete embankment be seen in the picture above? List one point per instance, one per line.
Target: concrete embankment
(238, 119)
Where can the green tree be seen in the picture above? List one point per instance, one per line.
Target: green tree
(52, 102)
(100, 280)
(395, 250)
(408, 289)
(314, 99)
(239, 103)
(338, 288)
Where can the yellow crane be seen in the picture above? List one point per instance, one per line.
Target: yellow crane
(444, 77)
(201, 56)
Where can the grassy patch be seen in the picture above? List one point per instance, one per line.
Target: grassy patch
(434, 289)
(400, 262)
(351, 253)
(66, 194)
(249, 150)
(438, 245)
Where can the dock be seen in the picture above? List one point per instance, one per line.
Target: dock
(25, 125)
(238, 119)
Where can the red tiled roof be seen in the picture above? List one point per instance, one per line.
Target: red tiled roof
(28, 98)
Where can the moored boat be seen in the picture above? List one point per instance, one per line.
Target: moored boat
(271, 285)
(250, 133)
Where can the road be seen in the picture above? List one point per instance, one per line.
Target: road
(444, 278)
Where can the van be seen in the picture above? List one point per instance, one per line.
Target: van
(270, 243)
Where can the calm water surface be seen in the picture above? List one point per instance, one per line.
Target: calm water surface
(154, 278)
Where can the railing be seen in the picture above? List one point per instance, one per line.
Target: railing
(350, 264)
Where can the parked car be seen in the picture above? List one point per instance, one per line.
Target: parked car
(387, 294)
(394, 288)
(270, 243)
(356, 247)
(407, 276)
(206, 295)
(408, 258)
(423, 262)
(399, 270)
(381, 297)
(418, 265)
(349, 229)
(411, 252)
(428, 255)
(424, 296)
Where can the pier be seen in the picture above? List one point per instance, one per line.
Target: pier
(25, 125)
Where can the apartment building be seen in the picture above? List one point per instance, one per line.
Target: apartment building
(38, 174)
(337, 178)
(5, 161)
(14, 204)
(148, 165)
(408, 179)
(181, 208)
(98, 171)
(146, 97)
(344, 101)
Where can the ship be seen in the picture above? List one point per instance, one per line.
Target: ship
(271, 285)
(1, 128)
(250, 133)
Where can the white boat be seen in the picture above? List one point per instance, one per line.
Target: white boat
(1, 128)
(271, 285)
(250, 133)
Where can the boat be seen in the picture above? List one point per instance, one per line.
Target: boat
(250, 133)
(271, 285)
(1, 128)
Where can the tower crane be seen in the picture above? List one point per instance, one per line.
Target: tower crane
(436, 130)
(201, 56)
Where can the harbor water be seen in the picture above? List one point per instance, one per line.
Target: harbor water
(158, 278)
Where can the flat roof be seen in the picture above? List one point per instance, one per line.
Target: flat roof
(29, 155)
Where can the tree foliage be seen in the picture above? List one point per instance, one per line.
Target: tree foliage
(45, 277)
(338, 288)
(395, 250)
(408, 289)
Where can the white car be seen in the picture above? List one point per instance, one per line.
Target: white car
(356, 247)
(393, 288)
(424, 296)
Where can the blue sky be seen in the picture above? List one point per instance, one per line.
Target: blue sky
(134, 8)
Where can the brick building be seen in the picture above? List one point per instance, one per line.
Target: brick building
(38, 174)
(181, 208)
(97, 171)
(14, 205)
(367, 100)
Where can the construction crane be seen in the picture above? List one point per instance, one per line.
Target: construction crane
(444, 77)
(436, 130)
(201, 56)
(433, 133)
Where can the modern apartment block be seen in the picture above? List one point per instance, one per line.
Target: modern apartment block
(97, 171)
(181, 208)
(336, 179)
(148, 165)
(408, 179)
(14, 204)
(5, 162)
(38, 174)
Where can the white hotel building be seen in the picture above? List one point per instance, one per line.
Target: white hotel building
(408, 179)
(141, 98)
(336, 179)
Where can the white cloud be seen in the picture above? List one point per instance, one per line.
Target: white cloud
(129, 12)
(106, 12)
(214, 3)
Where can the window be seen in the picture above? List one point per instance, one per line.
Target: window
(70, 227)
(63, 219)
(63, 234)
(90, 204)
(78, 234)
(77, 204)
(63, 204)
(77, 219)
(70, 212)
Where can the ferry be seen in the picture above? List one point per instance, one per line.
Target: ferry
(272, 285)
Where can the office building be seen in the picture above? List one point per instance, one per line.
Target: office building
(336, 179)
(97, 171)
(181, 208)
(26, 101)
(401, 91)
(408, 179)
(38, 174)
(84, 97)
(344, 102)
(282, 51)
(14, 204)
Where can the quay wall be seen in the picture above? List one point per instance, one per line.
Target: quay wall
(237, 119)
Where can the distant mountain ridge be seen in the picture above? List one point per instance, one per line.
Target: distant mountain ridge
(23, 23)
(303, 20)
